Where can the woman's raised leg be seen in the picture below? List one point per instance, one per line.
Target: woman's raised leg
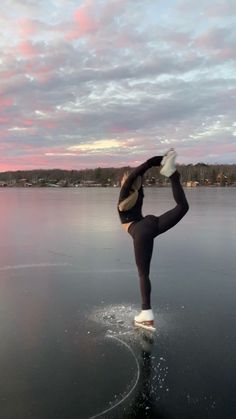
(170, 218)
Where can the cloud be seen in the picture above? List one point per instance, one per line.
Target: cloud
(221, 8)
(26, 49)
(96, 146)
(216, 38)
(79, 80)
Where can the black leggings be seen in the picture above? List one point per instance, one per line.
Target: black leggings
(143, 233)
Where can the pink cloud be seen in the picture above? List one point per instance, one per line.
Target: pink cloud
(36, 124)
(224, 148)
(226, 54)
(175, 37)
(27, 49)
(28, 122)
(49, 124)
(112, 9)
(27, 27)
(4, 120)
(193, 152)
(36, 161)
(34, 157)
(126, 40)
(117, 129)
(42, 72)
(222, 9)
(21, 163)
(7, 74)
(87, 21)
(84, 22)
(6, 102)
(213, 39)
(189, 7)
(201, 152)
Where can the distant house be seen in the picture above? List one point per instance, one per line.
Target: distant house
(89, 183)
(221, 179)
(24, 183)
(192, 184)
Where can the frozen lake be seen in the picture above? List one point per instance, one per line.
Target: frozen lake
(69, 292)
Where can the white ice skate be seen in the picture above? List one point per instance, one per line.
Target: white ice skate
(145, 320)
(168, 163)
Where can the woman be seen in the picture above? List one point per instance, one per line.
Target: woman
(142, 229)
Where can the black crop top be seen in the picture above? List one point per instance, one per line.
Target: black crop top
(135, 213)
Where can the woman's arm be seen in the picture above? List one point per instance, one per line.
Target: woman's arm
(138, 171)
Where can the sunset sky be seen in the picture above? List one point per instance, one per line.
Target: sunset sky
(112, 82)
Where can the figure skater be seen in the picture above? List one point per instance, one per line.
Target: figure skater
(143, 229)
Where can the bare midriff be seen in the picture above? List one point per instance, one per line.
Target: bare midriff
(126, 225)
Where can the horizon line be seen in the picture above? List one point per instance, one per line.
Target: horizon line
(110, 167)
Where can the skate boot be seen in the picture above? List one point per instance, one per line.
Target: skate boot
(168, 163)
(145, 320)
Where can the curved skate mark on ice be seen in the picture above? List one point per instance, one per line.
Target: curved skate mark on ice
(59, 253)
(102, 271)
(136, 380)
(31, 265)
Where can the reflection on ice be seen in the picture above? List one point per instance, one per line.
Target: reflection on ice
(151, 370)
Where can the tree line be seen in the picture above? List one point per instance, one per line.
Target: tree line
(201, 173)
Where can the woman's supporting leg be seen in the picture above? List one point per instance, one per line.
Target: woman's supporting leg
(142, 235)
(143, 254)
(170, 218)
